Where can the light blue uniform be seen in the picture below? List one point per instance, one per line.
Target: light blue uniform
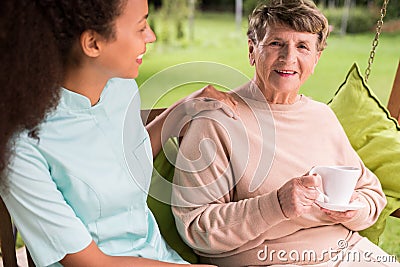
(74, 185)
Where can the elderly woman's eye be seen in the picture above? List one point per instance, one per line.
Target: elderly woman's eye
(275, 44)
(302, 46)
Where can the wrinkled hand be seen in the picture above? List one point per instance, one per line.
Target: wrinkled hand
(341, 216)
(209, 98)
(297, 196)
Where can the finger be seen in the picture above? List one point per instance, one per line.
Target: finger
(308, 173)
(350, 214)
(235, 109)
(231, 100)
(344, 217)
(209, 104)
(310, 180)
(207, 99)
(354, 196)
(231, 104)
(229, 112)
(210, 93)
(339, 214)
(197, 105)
(208, 88)
(311, 194)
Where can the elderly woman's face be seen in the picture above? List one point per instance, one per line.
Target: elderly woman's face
(284, 59)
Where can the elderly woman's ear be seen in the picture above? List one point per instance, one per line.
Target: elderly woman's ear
(251, 52)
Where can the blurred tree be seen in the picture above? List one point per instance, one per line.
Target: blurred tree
(345, 17)
(171, 27)
(229, 5)
(249, 5)
(155, 3)
(218, 5)
(192, 9)
(239, 14)
(177, 20)
(393, 8)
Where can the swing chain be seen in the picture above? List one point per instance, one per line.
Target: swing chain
(375, 42)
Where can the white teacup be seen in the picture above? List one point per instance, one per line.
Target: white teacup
(338, 182)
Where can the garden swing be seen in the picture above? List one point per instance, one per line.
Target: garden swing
(373, 131)
(376, 121)
(390, 115)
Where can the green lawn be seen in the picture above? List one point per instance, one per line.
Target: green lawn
(218, 41)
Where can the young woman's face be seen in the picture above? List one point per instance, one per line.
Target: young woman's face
(122, 56)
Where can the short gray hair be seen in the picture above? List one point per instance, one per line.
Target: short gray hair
(299, 15)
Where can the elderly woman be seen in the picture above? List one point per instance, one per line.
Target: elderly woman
(246, 198)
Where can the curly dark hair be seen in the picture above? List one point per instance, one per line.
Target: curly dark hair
(36, 41)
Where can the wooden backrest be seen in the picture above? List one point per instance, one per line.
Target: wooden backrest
(394, 99)
(7, 239)
(394, 109)
(148, 115)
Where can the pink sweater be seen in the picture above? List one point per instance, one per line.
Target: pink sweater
(228, 210)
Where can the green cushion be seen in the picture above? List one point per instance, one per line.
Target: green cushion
(374, 134)
(159, 197)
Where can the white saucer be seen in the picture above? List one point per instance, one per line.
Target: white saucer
(340, 207)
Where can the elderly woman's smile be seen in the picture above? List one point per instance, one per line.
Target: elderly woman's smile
(284, 59)
(286, 73)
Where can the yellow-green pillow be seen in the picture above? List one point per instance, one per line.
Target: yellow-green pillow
(374, 134)
(163, 172)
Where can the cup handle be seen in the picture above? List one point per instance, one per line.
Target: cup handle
(326, 198)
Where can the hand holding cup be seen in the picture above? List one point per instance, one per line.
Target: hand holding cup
(297, 196)
(338, 182)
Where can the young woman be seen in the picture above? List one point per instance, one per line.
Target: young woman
(70, 191)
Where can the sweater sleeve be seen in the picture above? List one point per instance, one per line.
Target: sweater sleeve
(370, 193)
(206, 215)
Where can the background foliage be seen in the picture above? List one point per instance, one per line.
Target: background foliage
(361, 14)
